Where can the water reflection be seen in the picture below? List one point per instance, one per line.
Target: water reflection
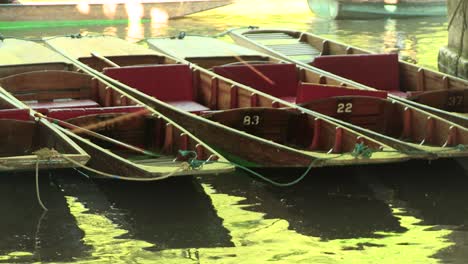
(329, 204)
(406, 213)
(28, 235)
(416, 40)
(171, 214)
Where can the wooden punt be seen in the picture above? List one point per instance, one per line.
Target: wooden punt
(126, 138)
(367, 111)
(371, 9)
(214, 109)
(435, 92)
(25, 142)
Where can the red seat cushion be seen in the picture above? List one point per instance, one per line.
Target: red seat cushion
(189, 106)
(310, 92)
(166, 82)
(16, 114)
(78, 103)
(278, 80)
(380, 71)
(68, 113)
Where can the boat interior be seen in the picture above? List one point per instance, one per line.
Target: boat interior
(201, 93)
(79, 99)
(388, 73)
(21, 135)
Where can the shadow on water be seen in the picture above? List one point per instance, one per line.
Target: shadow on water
(174, 213)
(328, 203)
(433, 192)
(28, 234)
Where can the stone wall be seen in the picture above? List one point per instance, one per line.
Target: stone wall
(453, 58)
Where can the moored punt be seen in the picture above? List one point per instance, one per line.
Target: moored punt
(253, 136)
(368, 111)
(124, 141)
(402, 80)
(27, 143)
(369, 9)
(124, 138)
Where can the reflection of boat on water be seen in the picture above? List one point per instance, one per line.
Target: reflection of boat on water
(28, 237)
(437, 202)
(172, 219)
(330, 205)
(365, 9)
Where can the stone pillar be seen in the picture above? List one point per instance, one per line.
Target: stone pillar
(453, 58)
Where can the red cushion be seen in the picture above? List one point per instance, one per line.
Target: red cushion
(75, 103)
(165, 82)
(279, 80)
(16, 114)
(68, 113)
(380, 71)
(309, 92)
(189, 106)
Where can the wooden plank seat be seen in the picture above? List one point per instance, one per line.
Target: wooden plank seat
(16, 114)
(380, 71)
(69, 113)
(72, 103)
(171, 83)
(46, 89)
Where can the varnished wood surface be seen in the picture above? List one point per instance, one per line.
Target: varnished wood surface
(72, 85)
(411, 74)
(255, 150)
(417, 138)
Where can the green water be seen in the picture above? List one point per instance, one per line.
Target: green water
(402, 213)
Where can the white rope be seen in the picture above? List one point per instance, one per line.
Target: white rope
(38, 195)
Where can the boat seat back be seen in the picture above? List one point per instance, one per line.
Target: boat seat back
(43, 107)
(166, 82)
(279, 80)
(68, 113)
(308, 92)
(15, 114)
(50, 85)
(380, 71)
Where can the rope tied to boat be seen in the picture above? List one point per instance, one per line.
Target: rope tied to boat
(43, 154)
(46, 153)
(361, 150)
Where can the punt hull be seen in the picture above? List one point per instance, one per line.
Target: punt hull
(349, 9)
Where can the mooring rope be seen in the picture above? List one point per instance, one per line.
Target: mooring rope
(40, 154)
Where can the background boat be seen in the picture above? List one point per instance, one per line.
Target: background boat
(372, 9)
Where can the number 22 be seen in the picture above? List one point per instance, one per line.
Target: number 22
(344, 108)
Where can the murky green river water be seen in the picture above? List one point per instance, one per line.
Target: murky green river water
(415, 212)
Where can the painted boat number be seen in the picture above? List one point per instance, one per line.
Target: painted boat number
(251, 120)
(455, 100)
(344, 108)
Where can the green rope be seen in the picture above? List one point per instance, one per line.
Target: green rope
(361, 150)
(192, 161)
(460, 147)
